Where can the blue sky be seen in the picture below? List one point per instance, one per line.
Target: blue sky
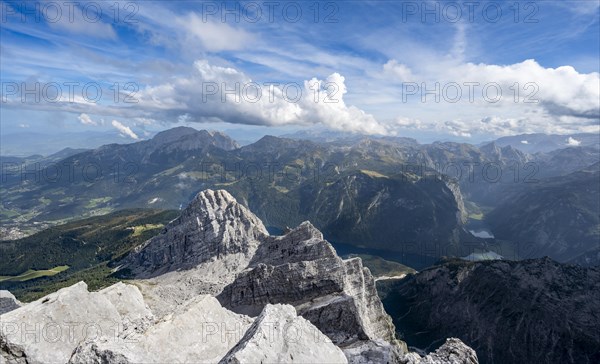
(358, 66)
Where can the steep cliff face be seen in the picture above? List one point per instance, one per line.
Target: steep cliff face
(533, 311)
(224, 227)
(556, 217)
(302, 269)
(388, 212)
(454, 187)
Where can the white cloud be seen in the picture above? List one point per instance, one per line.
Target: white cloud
(524, 142)
(86, 120)
(573, 142)
(24, 126)
(201, 97)
(124, 130)
(77, 20)
(191, 33)
(533, 98)
(214, 36)
(398, 70)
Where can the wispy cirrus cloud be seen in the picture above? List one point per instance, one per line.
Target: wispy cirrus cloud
(124, 130)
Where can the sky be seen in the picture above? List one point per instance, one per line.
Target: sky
(467, 71)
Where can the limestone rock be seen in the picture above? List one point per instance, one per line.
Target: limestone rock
(219, 247)
(278, 335)
(213, 226)
(374, 352)
(49, 329)
(302, 269)
(8, 302)
(453, 351)
(201, 277)
(528, 311)
(201, 331)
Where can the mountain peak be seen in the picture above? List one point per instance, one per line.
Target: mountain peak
(192, 138)
(305, 231)
(173, 134)
(214, 225)
(219, 206)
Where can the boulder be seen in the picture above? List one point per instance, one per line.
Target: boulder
(200, 331)
(49, 329)
(278, 335)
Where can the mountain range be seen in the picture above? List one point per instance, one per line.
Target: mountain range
(389, 194)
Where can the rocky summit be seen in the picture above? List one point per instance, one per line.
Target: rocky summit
(214, 286)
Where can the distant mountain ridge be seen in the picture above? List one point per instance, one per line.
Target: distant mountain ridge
(531, 311)
(382, 193)
(534, 143)
(558, 217)
(342, 188)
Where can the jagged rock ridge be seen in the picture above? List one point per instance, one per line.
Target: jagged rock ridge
(218, 261)
(215, 234)
(219, 247)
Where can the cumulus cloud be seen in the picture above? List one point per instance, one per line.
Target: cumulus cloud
(215, 93)
(124, 130)
(573, 142)
(524, 142)
(522, 97)
(86, 120)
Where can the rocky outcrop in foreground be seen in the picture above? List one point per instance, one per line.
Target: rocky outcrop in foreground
(49, 329)
(216, 287)
(532, 311)
(115, 326)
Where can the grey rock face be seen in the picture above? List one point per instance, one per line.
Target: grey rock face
(8, 302)
(200, 331)
(374, 352)
(219, 247)
(454, 187)
(214, 225)
(453, 351)
(215, 236)
(278, 335)
(49, 329)
(532, 311)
